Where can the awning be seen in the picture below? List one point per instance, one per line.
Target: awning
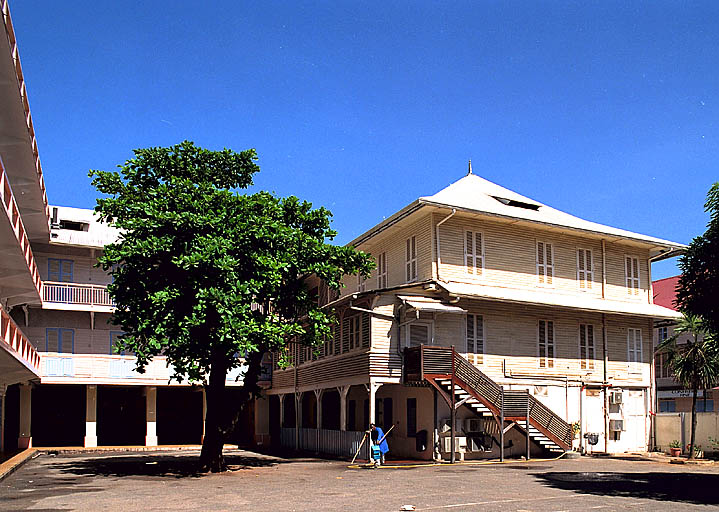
(429, 304)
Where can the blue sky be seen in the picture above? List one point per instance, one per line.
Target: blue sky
(606, 110)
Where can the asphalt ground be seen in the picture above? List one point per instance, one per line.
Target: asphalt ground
(168, 481)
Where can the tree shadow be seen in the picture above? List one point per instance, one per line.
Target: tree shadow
(696, 488)
(156, 465)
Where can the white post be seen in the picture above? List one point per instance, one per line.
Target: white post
(204, 414)
(90, 416)
(343, 390)
(25, 437)
(373, 387)
(151, 415)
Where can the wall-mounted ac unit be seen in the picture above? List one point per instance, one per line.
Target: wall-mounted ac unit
(473, 425)
(445, 425)
(460, 444)
(616, 425)
(615, 397)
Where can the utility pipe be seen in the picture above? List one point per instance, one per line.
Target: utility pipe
(439, 258)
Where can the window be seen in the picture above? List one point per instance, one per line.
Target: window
(382, 270)
(669, 406)
(361, 283)
(411, 417)
(473, 252)
(415, 334)
(114, 336)
(475, 338)
(545, 344)
(354, 332)
(545, 263)
(60, 340)
(634, 348)
(705, 405)
(585, 269)
(661, 366)
(662, 334)
(586, 346)
(411, 259)
(632, 274)
(59, 270)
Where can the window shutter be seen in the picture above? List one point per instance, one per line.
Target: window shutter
(345, 334)
(470, 334)
(414, 258)
(408, 259)
(337, 338)
(469, 251)
(540, 261)
(365, 330)
(478, 254)
(550, 344)
(66, 271)
(418, 334)
(67, 339)
(53, 269)
(67, 367)
(550, 264)
(590, 345)
(582, 346)
(542, 342)
(581, 273)
(52, 340)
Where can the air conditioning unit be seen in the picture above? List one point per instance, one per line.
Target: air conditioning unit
(460, 444)
(473, 425)
(616, 425)
(615, 397)
(445, 425)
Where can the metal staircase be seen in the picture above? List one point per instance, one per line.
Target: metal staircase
(462, 383)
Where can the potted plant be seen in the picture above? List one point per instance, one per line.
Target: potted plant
(698, 452)
(675, 448)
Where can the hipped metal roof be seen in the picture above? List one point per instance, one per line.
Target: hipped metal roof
(478, 195)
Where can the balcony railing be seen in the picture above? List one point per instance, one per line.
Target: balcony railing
(74, 293)
(11, 334)
(13, 214)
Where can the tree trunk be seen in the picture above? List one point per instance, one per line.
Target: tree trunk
(694, 422)
(211, 458)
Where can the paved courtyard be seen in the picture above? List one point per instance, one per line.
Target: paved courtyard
(166, 481)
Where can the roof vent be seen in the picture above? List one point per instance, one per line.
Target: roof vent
(518, 204)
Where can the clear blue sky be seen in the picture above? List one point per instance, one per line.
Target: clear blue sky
(604, 110)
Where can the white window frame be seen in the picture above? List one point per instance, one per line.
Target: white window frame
(544, 268)
(478, 339)
(634, 350)
(587, 350)
(411, 259)
(406, 334)
(361, 283)
(546, 327)
(473, 255)
(382, 270)
(355, 332)
(585, 276)
(633, 281)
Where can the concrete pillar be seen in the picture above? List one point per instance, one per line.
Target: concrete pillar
(262, 420)
(373, 387)
(25, 437)
(318, 400)
(343, 390)
(90, 416)
(3, 390)
(151, 415)
(282, 410)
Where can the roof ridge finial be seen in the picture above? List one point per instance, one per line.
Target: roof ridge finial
(469, 171)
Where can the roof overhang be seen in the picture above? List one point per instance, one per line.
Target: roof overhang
(429, 304)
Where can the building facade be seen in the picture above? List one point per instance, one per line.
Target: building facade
(524, 305)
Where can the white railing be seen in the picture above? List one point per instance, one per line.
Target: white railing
(11, 335)
(74, 293)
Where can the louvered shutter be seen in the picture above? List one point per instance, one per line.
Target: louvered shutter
(550, 344)
(414, 258)
(470, 334)
(549, 263)
(540, 262)
(52, 340)
(581, 268)
(337, 338)
(66, 271)
(542, 344)
(346, 334)
(478, 253)
(409, 260)
(67, 339)
(53, 269)
(365, 330)
(418, 334)
(469, 251)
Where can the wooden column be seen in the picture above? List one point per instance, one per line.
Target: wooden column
(343, 391)
(281, 397)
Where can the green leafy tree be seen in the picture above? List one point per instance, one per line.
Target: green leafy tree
(694, 364)
(698, 286)
(204, 274)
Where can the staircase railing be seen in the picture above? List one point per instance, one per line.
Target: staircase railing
(428, 361)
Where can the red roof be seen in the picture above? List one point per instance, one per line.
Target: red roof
(665, 291)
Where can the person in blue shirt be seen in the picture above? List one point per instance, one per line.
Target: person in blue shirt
(377, 434)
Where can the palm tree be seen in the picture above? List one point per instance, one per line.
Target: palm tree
(694, 364)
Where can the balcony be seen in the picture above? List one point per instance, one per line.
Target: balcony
(76, 297)
(18, 358)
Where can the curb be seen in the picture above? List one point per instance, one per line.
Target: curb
(9, 466)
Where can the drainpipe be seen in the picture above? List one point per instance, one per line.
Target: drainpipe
(439, 258)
